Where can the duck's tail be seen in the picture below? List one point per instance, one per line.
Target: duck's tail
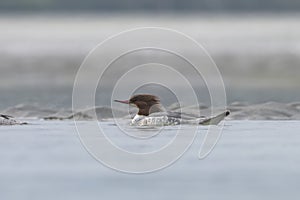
(215, 120)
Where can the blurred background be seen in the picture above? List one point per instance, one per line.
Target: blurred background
(255, 44)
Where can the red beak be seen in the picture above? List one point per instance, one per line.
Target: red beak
(125, 101)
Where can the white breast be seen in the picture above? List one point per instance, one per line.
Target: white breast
(140, 120)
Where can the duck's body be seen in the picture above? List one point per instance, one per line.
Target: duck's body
(163, 119)
(151, 113)
(8, 120)
(159, 120)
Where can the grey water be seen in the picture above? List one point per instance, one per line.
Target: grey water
(58, 98)
(252, 160)
(257, 55)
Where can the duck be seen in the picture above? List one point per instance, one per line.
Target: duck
(8, 120)
(152, 113)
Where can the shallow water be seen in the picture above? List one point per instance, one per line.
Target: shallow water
(253, 160)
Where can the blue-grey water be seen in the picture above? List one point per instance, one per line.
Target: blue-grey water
(257, 55)
(252, 160)
(62, 97)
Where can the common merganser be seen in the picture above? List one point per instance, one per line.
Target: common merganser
(152, 113)
(8, 120)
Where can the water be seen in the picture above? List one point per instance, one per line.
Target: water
(258, 55)
(57, 98)
(253, 160)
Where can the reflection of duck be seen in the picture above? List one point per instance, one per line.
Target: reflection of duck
(152, 113)
(8, 120)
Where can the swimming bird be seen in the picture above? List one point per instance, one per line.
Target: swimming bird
(8, 120)
(152, 113)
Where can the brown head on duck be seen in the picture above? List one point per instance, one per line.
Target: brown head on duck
(146, 103)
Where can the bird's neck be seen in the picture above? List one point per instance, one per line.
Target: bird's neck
(145, 111)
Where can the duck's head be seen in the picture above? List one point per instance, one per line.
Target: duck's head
(146, 103)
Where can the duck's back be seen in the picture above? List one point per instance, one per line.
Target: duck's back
(7, 120)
